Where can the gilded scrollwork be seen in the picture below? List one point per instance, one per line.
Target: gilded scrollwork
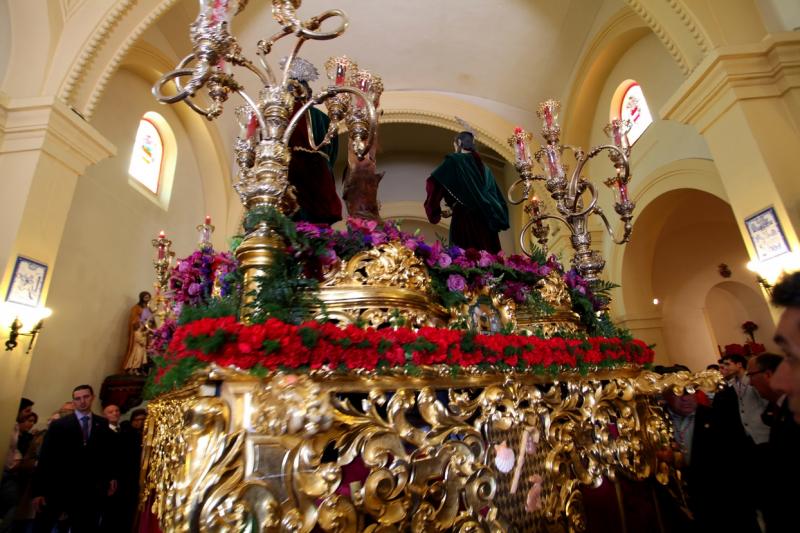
(387, 265)
(362, 453)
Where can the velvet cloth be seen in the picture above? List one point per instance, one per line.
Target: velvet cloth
(469, 188)
(312, 173)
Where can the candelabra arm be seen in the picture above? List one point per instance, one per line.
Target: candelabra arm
(181, 95)
(333, 129)
(372, 115)
(264, 76)
(525, 182)
(622, 158)
(592, 204)
(304, 34)
(628, 227)
(533, 221)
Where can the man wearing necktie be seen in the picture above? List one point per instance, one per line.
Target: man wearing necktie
(76, 468)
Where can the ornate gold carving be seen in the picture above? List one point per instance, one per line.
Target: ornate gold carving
(486, 312)
(386, 285)
(387, 265)
(290, 405)
(275, 453)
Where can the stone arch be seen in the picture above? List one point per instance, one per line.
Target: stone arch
(683, 234)
(440, 110)
(677, 28)
(685, 174)
(728, 304)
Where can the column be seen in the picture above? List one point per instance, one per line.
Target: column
(44, 148)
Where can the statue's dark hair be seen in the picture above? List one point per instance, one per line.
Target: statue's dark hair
(466, 140)
(768, 361)
(787, 292)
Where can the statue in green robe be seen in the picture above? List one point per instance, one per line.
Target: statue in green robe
(468, 187)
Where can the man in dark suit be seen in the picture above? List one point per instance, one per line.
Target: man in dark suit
(76, 468)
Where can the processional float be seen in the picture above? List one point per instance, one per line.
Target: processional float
(425, 389)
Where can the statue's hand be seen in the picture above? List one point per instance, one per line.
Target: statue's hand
(446, 213)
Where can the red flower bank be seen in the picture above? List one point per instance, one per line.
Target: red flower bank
(276, 345)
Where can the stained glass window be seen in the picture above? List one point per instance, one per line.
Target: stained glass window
(633, 107)
(148, 153)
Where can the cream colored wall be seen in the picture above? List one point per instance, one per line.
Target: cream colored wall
(780, 15)
(105, 257)
(729, 304)
(5, 36)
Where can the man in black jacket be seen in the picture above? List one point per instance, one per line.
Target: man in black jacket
(76, 468)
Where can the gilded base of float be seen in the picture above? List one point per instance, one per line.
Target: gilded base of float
(232, 452)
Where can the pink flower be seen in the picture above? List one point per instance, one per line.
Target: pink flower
(486, 259)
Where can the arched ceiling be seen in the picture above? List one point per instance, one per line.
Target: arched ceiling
(509, 55)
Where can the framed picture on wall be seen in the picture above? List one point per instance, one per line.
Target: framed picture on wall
(27, 282)
(767, 234)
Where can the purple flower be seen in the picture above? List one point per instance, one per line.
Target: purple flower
(411, 244)
(378, 237)
(456, 283)
(455, 251)
(486, 259)
(309, 229)
(444, 261)
(194, 289)
(329, 257)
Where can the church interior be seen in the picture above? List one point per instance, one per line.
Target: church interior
(716, 88)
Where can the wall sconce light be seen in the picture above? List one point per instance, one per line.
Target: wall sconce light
(26, 322)
(769, 272)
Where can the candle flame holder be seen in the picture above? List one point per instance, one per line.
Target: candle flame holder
(268, 120)
(575, 197)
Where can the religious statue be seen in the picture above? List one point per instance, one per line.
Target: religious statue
(360, 184)
(311, 172)
(468, 187)
(139, 320)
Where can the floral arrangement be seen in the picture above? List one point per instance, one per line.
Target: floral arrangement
(280, 337)
(746, 350)
(192, 283)
(454, 270)
(192, 279)
(278, 345)
(749, 329)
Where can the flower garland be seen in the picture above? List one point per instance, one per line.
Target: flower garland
(454, 271)
(277, 345)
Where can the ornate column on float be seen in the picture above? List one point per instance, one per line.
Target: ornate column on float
(162, 264)
(575, 197)
(266, 122)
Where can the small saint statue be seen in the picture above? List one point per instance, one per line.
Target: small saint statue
(139, 320)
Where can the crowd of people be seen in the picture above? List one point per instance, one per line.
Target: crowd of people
(79, 474)
(738, 447)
